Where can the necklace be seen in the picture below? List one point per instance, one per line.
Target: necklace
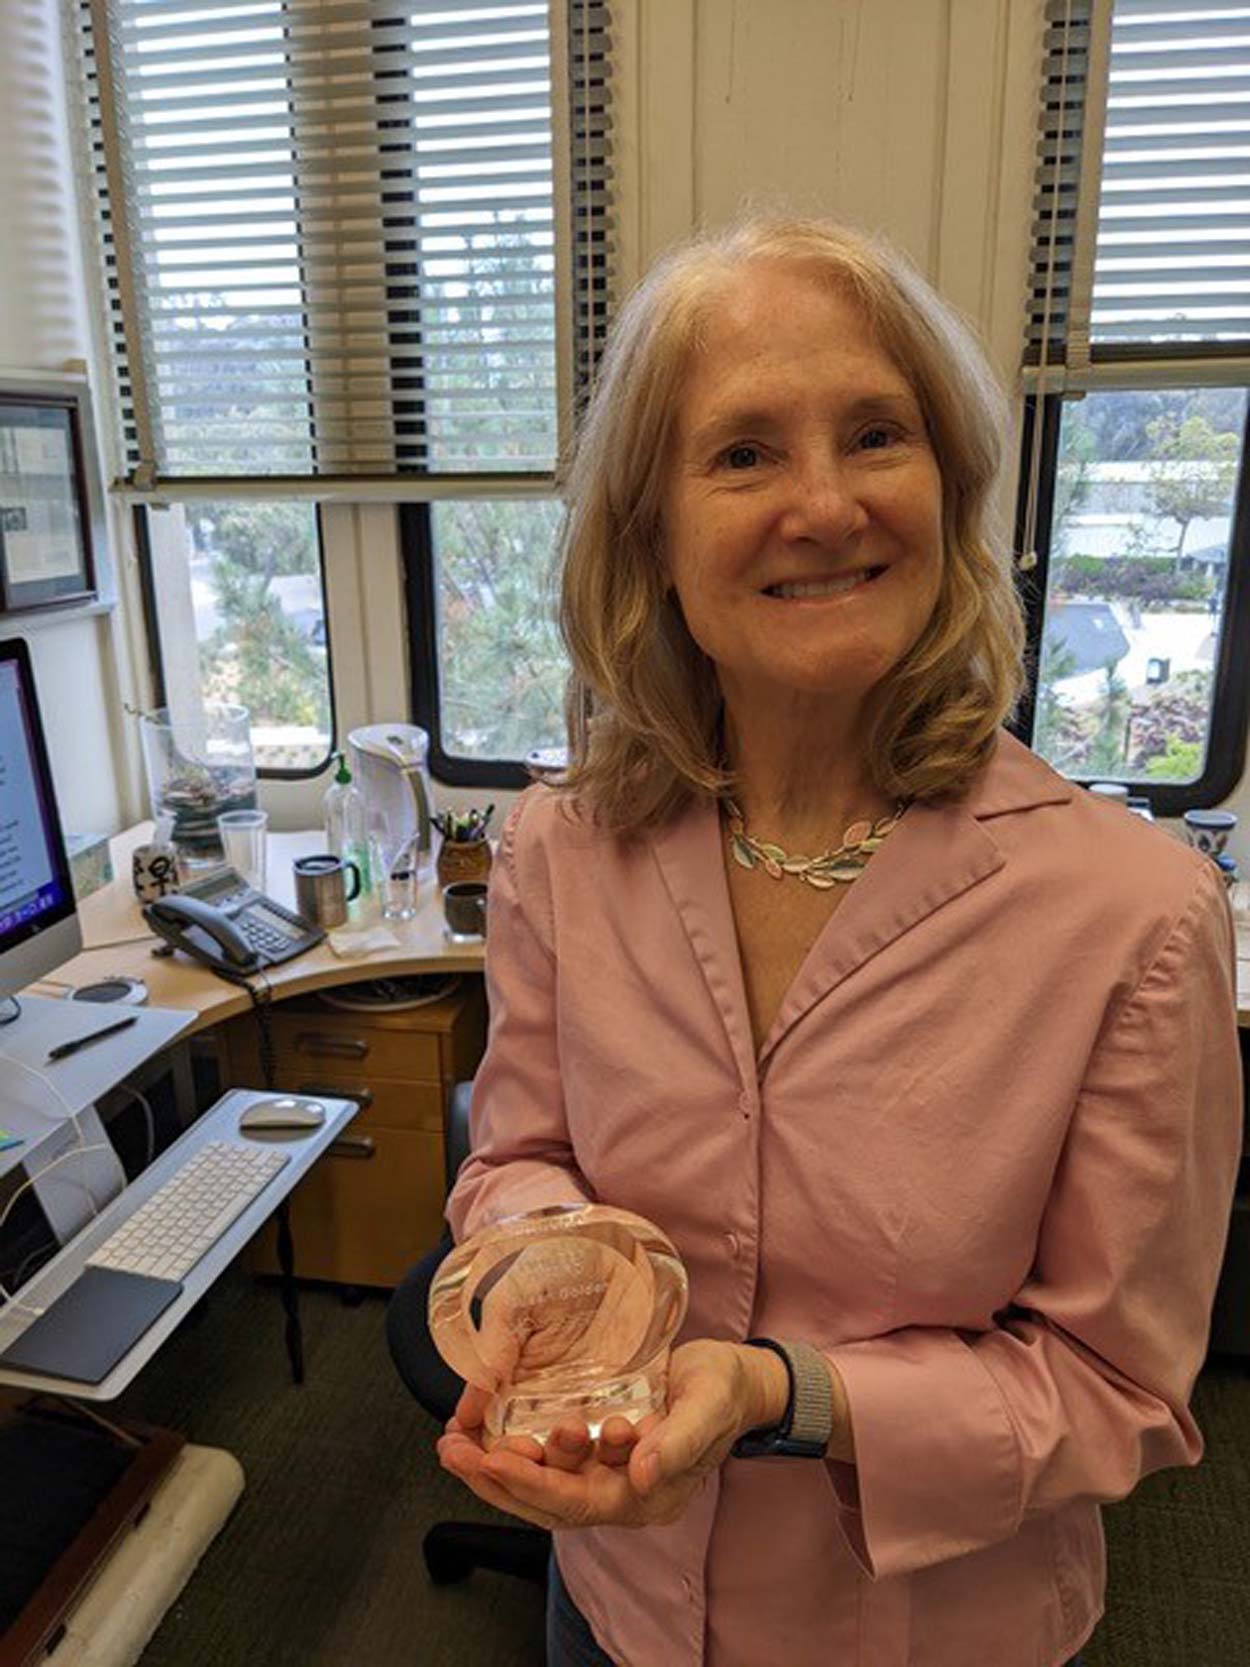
(831, 868)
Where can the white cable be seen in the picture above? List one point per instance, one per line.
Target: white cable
(45, 1079)
(79, 1151)
(70, 1114)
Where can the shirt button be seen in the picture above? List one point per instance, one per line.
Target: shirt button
(731, 1241)
(688, 1583)
(745, 1103)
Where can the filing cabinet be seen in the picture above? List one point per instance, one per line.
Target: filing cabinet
(373, 1203)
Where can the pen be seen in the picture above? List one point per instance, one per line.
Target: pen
(64, 1049)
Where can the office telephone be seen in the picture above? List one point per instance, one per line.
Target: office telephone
(229, 926)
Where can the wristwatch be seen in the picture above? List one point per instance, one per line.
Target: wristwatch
(807, 1423)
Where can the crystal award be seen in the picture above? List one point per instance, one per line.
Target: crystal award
(562, 1313)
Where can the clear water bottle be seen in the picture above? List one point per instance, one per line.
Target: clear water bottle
(344, 814)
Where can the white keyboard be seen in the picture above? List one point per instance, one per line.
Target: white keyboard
(186, 1216)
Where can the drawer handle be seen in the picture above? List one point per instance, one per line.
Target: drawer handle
(334, 1091)
(336, 1047)
(352, 1146)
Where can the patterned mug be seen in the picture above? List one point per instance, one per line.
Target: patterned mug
(154, 871)
(1208, 830)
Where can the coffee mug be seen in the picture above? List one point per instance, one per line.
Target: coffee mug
(321, 893)
(154, 871)
(464, 906)
(1208, 830)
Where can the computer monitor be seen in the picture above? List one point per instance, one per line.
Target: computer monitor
(38, 916)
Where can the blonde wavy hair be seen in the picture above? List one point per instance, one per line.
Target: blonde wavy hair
(643, 703)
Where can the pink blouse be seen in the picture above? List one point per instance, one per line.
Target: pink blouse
(984, 1160)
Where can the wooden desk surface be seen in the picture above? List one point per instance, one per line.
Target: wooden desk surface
(116, 942)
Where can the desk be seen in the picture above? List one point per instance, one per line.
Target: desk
(356, 1223)
(116, 940)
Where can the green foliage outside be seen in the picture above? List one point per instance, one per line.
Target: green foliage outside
(1193, 471)
(502, 665)
(258, 654)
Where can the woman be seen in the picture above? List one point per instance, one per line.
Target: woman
(959, 1161)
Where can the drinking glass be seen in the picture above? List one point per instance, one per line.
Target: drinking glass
(243, 842)
(393, 866)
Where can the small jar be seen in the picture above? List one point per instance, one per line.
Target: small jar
(463, 859)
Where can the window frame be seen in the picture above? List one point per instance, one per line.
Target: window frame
(156, 647)
(1230, 695)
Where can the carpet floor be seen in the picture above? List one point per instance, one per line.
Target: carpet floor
(320, 1565)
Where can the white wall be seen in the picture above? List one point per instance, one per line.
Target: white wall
(43, 327)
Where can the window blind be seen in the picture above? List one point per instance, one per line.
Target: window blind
(343, 238)
(1173, 254)
(1065, 71)
(1141, 239)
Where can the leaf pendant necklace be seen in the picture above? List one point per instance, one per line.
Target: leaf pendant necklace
(832, 868)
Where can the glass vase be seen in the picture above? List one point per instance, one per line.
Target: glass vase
(198, 766)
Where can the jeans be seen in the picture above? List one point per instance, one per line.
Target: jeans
(571, 1643)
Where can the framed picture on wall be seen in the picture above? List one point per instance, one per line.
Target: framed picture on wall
(46, 556)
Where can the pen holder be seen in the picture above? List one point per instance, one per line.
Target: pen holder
(463, 859)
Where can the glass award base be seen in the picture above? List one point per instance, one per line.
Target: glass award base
(564, 1314)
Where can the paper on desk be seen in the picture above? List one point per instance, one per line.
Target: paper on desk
(362, 942)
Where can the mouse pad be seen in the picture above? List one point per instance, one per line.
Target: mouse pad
(89, 1327)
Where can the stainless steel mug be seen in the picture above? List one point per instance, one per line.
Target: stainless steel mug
(321, 893)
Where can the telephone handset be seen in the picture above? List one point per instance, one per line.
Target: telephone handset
(231, 928)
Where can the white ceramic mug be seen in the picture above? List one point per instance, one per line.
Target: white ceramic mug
(154, 871)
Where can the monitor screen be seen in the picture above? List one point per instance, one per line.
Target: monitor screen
(38, 926)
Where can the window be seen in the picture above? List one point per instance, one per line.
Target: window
(1134, 519)
(357, 243)
(236, 612)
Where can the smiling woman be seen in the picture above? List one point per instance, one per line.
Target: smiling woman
(949, 1168)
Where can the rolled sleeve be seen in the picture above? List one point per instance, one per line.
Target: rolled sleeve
(1082, 1386)
(521, 1157)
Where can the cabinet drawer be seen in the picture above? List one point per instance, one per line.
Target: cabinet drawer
(345, 1042)
(390, 1105)
(364, 1219)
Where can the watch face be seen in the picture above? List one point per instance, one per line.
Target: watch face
(776, 1446)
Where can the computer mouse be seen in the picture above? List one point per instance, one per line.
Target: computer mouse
(284, 1111)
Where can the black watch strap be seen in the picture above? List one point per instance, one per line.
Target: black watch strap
(807, 1423)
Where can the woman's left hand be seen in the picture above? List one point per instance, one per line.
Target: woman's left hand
(633, 1476)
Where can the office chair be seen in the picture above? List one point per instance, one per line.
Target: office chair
(452, 1550)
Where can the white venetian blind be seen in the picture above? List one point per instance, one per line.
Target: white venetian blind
(1173, 249)
(331, 230)
(1142, 207)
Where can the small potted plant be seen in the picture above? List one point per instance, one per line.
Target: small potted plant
(465, 850)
